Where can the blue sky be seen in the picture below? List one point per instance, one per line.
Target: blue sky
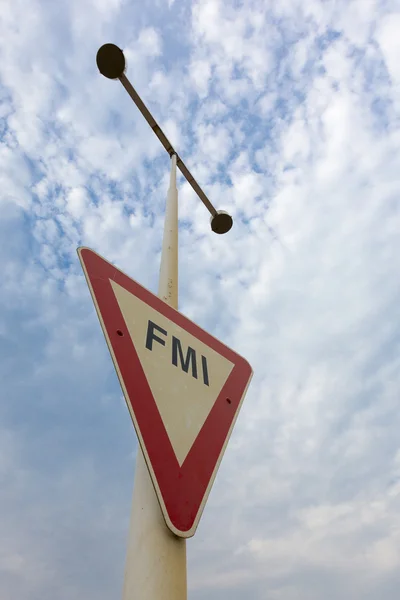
(288, 115)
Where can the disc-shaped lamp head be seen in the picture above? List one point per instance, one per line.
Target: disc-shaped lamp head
(221, 222)
(110, 61)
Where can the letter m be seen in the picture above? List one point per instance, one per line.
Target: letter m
(190, 358)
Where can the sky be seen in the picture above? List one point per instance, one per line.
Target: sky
(288, 115)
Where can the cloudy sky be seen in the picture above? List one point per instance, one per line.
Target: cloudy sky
(288, 115)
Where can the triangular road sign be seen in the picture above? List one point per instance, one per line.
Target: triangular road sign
(183, 388)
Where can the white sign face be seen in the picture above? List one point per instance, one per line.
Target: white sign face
(185, 376)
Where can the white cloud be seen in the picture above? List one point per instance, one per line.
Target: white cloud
(200, 73)
(77, 202)
(149, 42)
(388, 39)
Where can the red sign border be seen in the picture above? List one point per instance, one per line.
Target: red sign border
(182, 490)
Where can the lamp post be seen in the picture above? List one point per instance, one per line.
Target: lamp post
(156, 558)
(111, 63)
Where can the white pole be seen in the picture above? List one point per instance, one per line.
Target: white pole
(168, 282)
(156, 559)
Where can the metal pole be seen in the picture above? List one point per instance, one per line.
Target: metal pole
(156, 558)
(168, 281)
(166, 143)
